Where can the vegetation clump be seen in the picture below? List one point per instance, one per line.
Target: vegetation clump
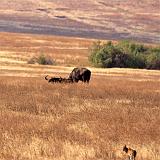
(125, 54)
(41, 59)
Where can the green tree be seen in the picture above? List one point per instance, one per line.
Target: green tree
(124, 54)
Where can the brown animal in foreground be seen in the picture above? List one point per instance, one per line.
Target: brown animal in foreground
(131, 154)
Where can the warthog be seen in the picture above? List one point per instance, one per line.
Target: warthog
(80, 74)
(66, 80)
(53, 79)
(58, 80)
(131, 153)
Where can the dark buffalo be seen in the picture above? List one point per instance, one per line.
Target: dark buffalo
(80, 74)
(53, 79)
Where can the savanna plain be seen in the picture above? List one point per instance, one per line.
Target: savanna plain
(43, 121)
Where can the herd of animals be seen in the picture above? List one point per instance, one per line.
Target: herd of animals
(77, 74)
(84, 75)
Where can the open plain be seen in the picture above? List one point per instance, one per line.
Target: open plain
(42, 121)
(102, 19)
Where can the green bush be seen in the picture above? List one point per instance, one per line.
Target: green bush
(131, 47)
(153, 58)
(135, 61)
(104, 55)
(125, 54)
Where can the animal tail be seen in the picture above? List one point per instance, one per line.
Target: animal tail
(46, 78)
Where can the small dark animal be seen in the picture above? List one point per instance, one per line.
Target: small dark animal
(53, 79)
(80, 74)
(66, 80)
(131, 154)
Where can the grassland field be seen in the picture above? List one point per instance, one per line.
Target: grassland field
(42, 121)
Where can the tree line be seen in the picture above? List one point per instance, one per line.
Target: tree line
(124, 54)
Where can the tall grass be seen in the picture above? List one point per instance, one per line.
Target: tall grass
(77, 121)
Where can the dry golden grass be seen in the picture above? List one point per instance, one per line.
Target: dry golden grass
(19, 48)
(42, 121)
(79, 122)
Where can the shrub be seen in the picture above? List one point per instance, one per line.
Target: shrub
(33, 60)
(95, 56)
(124, 54)
(42, 59)
(105, 55)
(153, 59)
(135, 61)
(131, 47)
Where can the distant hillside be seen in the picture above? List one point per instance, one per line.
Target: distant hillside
(103, 19)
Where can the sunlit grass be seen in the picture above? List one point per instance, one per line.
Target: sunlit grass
(63, 50)
(83, 122)
(42, 121)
